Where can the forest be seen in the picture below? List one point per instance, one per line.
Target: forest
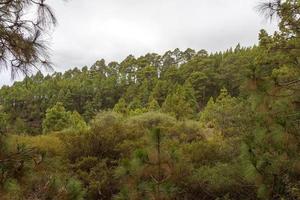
(186, 124)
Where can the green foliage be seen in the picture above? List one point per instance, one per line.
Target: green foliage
(13, 189)
(101, 141)
(229, 115)
(217, 178)
(96, 175)
(121, 107)
(153, 105)
(19, 127)
(58, 119)
(74, 190)
(56, 187)
(161, 126)
(13, 165)
(270, 150)
(180, 103)
(77, 123)
(93, 153)
(50, 144)
(149, 172)
(3, 122)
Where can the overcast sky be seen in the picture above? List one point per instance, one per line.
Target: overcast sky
(112, 29)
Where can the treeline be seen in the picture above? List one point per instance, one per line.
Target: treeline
(179, 82)
(182, 125)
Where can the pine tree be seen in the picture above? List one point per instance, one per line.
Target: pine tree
(179, 104)
(270, 152)
(121, 107)
(153, 105)
(77, 122)
(148, 172)
(57, 119)
(21, 46)
(229, 115)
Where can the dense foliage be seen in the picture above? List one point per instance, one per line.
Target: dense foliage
(182, 125)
